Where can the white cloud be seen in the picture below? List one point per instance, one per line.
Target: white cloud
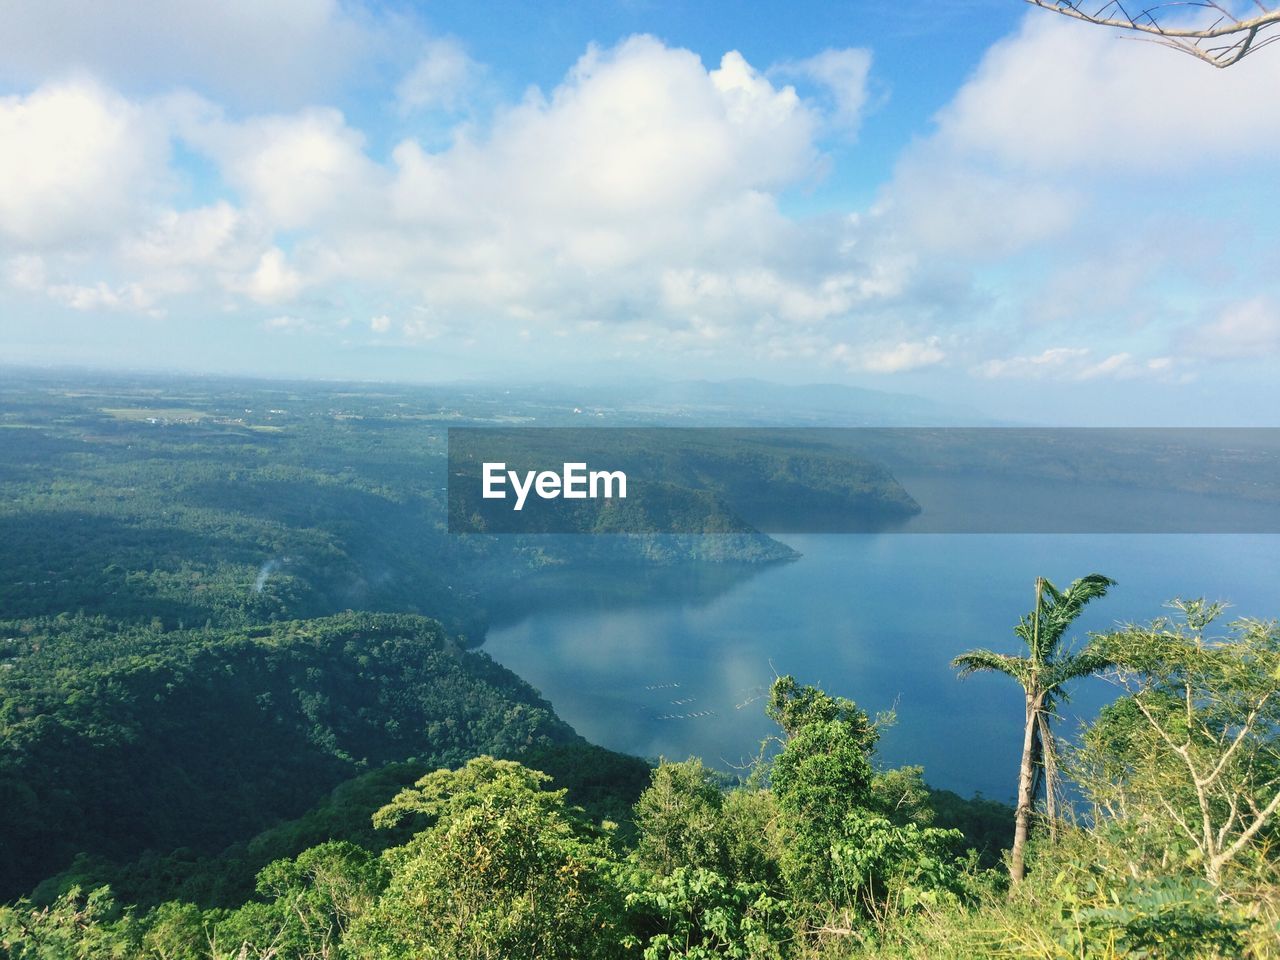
(101, 296)
(642, 129)
(25, 272)
(1079, 363)
(1248, 329)
(1055, 180)
(293, 170)
(640, 192)
(890, 358)
(1037, 365)
(422, 328)
(202, 236)
(30, 274)
(940, 206)
(281, 53)
(638, 206)
(77, 162)
(636, 202)
(1058, 97)
(843, 75)
(272, 281)
(441, 78)
(757, 292)
(287, 324)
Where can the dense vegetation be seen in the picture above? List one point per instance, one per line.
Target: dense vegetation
(485, 860)
(818, 855)
(205, 754)
(237, 504)
(117, 741)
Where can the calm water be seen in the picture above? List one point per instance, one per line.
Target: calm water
(639, 666)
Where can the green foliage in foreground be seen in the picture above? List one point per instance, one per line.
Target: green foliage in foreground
(500, 866)
(1043, 675)
(820, 855)
(602, 782)
(115, 741)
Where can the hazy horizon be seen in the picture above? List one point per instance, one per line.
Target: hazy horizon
(984, 203)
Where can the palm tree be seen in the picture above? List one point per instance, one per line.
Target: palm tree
(1042, 673)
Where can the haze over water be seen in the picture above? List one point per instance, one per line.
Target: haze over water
(873, 617)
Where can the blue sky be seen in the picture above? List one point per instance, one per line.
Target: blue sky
(974, 201)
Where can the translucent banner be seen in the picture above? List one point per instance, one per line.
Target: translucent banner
(530, 480)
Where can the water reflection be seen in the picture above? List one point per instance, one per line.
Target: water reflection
(673, 663)
(614, 586)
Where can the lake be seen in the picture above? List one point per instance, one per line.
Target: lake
(674, 663)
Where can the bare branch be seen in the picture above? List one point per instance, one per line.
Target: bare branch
(1248, 834)
(1245, 729)
(1177, 818)
(1239, 37)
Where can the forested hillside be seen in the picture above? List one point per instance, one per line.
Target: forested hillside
(241, 716)
(243, 503)
(118, 740)
(820, 855)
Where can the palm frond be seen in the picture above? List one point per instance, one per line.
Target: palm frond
(1070, 604)
(1084, 663)
(1044, 628)
(978, 660)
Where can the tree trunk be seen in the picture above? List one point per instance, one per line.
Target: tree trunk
(1037, 765)
(1049, 761)
(1026, 776)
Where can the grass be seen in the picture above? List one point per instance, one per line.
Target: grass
(158, 413)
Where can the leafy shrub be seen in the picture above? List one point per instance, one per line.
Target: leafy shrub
(697, 914)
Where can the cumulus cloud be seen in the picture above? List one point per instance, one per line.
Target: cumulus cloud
(1037, 365)
(30, 274)
(640, 193)
(641, 205)
(890, 358)
(272, 280)
(1077, 363)
(637, 202)
(293, 170)
(1016, 156)
(199, 236)
(967, 210)
(842, 74)
(282, 53)
(1248, 329)
(1057, 174)
(1056, 98)
(101, 296)
(287, 324)
(79, 161)
(641, 129)
(441, 78)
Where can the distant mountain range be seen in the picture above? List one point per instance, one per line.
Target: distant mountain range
(751, 402)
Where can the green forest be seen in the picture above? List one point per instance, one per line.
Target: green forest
(242, 715)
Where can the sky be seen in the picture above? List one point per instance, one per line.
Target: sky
(977, 201)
